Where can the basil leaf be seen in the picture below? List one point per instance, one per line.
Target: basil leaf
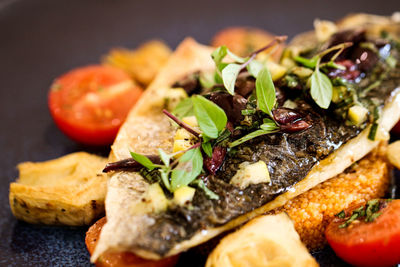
(211, 118)
(200, 184)
(144, 161)
(265, 91)
(321, 89)
(217, 74)
(207, 148)
(255, 67)
(184, 108)
(269, 126)
(189, 167)
(206, 79)
(250, 136)
(219, 54)
(307, 62)
(164, 157)
(229, 76)
(236, 58)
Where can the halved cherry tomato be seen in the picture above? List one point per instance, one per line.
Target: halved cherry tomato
(89, 104)
(375, 243)
(121, 259)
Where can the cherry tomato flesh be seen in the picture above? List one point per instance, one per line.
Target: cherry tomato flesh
(375, 243)
(89, 104)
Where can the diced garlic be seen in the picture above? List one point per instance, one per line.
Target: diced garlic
(254, 173)
(183, 139)
(184, 195)
(393, 154)
(357, 114)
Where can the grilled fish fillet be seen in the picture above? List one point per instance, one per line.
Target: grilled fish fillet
(147, 129)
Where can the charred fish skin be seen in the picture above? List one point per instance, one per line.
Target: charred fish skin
(291, 158)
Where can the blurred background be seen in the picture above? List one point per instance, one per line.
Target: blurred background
(41, 39)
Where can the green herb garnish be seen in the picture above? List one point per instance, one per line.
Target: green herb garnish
(368, 212)
(265, 91)
(184, 108)
(210, 117)
(207, 148)
(321, 88)
(227, 73)
(251, 136)
(144, 161)
(229, 76)
(321, 85)
(200, 184)
(189, 167)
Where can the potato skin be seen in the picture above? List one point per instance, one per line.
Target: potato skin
(66, 191)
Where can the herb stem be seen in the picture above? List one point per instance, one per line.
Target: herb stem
(129, 164)
(339, 47)
(277, 40)
(176, 161)
(181, 124)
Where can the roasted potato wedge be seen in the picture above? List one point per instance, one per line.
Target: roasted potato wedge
(69, 190)
(143, 63)
(268, 240)
(393, 154)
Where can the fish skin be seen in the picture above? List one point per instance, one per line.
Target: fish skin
(125, 190)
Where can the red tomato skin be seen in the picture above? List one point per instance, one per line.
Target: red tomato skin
(372, 244)
(75, 85)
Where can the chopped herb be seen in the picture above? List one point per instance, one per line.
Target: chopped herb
(224, 135)
(200, 184)
(246, 112)
(368, 213)
(341, 214)
(373, 131)
(374, 127)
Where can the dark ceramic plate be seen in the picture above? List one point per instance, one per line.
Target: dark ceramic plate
(42, 39)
